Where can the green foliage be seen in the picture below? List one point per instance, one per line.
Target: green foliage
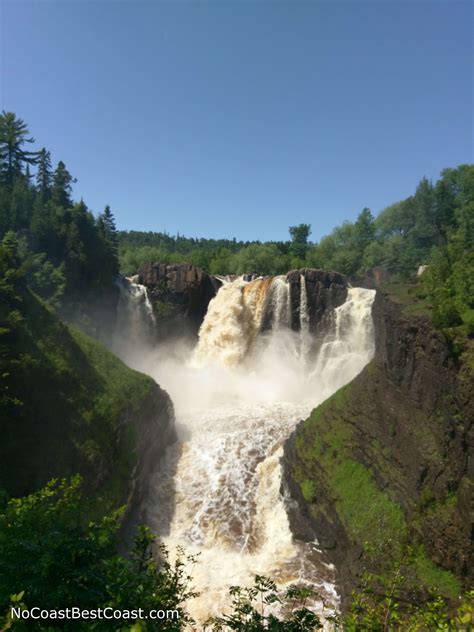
(437, 579)
(308, 489)
(44, 175)
(369, 513)
(394, 563)
(299, 243)
(449, 280)
(43, 361)
(251, 610)
(53, 556)
(380, 602)
(13, 135)
(64, 240)
(261, 259)
(62, 186)
(108, 232)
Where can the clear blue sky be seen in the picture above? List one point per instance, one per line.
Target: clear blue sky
(241, 118)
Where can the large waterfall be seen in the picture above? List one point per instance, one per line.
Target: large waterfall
(238, 395)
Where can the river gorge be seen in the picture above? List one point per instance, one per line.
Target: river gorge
(238, 395)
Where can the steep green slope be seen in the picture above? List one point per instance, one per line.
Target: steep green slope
(68, 405)
(380, 470)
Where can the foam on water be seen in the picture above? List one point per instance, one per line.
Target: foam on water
(238, 396)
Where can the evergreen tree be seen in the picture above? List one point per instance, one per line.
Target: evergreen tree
(108, 230)
(62, 186)
(44, 176)
(13, 135)
(21, 203)
(28, 176)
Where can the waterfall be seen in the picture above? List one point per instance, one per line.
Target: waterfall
(238, 396)
(236, 316)
(250, 380)
(280, 301)
(135, 320)
(305, 336)
(304, 315)
(348, 342)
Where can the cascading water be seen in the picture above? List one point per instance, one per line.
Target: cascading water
(135, 318)
(241, 395)
(280, 301)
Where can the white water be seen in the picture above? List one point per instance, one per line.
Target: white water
(135, 320)
(237, 400)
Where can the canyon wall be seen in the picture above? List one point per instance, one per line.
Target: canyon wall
(388, 459)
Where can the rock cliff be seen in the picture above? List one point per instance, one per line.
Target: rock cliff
(180, 295)
(324, 291)
(388, 460)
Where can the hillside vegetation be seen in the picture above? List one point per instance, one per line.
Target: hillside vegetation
(64, 399)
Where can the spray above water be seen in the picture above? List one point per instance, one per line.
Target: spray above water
(238, 395)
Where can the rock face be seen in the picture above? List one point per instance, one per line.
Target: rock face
(180, 295)
(154, 430)
(324, 292)
(404, 426)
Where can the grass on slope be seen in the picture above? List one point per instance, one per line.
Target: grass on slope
(371, 517)
(68, 396)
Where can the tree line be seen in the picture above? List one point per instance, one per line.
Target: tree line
(71, 252)
(67, 250)
(433, 227)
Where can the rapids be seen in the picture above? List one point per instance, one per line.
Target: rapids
(238, 395)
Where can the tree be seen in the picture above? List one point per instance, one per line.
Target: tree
(44, 175)
(13, 135)
(299, 240)
(364, 229)
(28, 176)
(108, 230)
(300, 234)
(51, 553)
(62, 189)
(251, 613)
(107, 226)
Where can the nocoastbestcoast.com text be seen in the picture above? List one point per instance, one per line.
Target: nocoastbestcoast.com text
(79, 614)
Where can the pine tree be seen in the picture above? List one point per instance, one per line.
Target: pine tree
(44, 176)
(62, 189)
(106, 225)
(28, 176)
(13, 135)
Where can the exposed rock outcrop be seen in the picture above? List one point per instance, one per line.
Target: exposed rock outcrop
(324, 291)
(402, 428)
(180, 295)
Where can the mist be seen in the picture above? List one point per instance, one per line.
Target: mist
(238, 394)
